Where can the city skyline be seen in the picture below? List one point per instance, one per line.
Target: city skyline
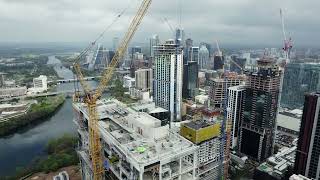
(244, 23)
(178, 89)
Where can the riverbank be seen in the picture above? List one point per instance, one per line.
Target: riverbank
(44, 108)
(60, 153)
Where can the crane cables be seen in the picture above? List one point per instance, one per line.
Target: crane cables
(116, 18)
(90, 46)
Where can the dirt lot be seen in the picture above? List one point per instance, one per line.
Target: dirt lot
(73, 171)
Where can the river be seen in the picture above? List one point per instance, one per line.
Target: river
(19, 149)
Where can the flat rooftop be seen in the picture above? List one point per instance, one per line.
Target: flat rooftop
(288, 122)
(196, 125)
(119, 124)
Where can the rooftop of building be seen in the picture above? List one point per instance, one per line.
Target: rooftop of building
(148, 107)
(298, 177)
(235, 88)
(289, 122)
(229, 76)
(277, 164)
(196, 125)
(136, 134)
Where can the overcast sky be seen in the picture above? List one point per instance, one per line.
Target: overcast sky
(247, 22)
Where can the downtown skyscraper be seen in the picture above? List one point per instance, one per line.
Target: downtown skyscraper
(259, 111)
(203, 57)
(307, 160)
(168, 70)
(235, 99)
(190, 80)
(154, 41)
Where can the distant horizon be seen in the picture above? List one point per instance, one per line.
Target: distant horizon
(108, 44)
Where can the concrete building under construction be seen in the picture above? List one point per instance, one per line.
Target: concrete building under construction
(135, 146)
(217, 90)
(206, 136)
(205, 132)
(259, 111)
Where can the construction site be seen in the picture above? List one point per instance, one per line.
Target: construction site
(118, 141)
(135, 145)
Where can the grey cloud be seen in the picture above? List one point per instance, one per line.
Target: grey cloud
(247, 22)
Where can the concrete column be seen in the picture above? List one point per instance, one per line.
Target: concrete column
(180, 167)
(160, 172)
(195, 159)
(141, 175)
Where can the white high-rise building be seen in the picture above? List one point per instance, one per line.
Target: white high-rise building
(40, 82)
(168, 70)
(194, 54)
(203, 57)
(235, 95)
(144, 78)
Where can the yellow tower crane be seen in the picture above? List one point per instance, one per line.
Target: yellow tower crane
(90, 96)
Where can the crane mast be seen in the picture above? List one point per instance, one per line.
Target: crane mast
(91, 97)
(225, 127)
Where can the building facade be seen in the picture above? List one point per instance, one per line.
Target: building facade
(194, 56)
(144, 79)
(168, 70)
(299, 78)
(259, 111)
(154, 41)
(206, 135)
(235, 98)
(100, 57)
(190, 80)
(2, 79)
(186, 50)
(217, 89)
(308, 152)
(128, 82)
(13, 92)
(40, 82)
(218, 62)
(203, 57)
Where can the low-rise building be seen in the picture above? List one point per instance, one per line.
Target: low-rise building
(143, 95)
(276, 166)
(13, 92)
(8, 111)
(128, 82)
(298, 177)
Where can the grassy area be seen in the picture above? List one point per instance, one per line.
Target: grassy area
(40, 111)
(118, 92)
(66, 61)
(27, 68)
(61, 153)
